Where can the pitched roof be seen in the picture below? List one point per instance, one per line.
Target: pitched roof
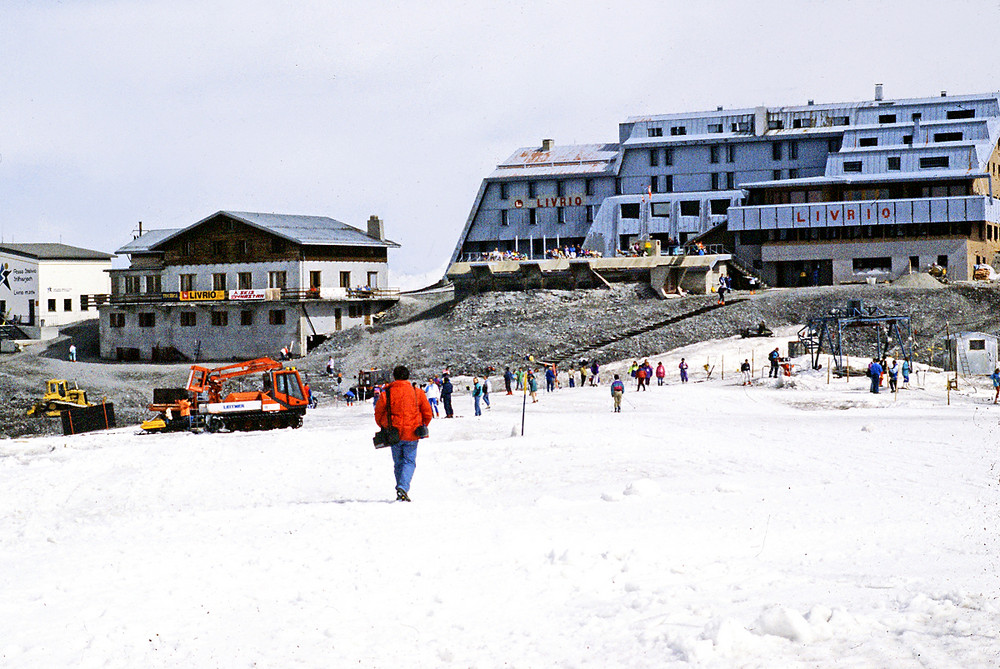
(52, 251)
(310, 230)
(559, 160)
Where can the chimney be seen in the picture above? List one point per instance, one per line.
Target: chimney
(548, 144)
(944, 94)
(878, 92)
(718, 108)
(810, 102)
(376, 229)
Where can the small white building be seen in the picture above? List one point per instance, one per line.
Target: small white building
(46, 286)
(974, 353)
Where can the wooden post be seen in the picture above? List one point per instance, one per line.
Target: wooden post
(723, 363)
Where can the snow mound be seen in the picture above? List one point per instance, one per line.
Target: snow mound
(785, 622)
(642, 488)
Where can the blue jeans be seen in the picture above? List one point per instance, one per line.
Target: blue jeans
(479, 412)
(434, 405)
(875, 383)
(404, 461)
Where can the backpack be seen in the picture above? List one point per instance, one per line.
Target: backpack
(618, 387)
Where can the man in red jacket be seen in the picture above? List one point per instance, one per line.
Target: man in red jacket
(410, 411)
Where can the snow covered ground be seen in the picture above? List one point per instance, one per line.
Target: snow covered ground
(788, 524)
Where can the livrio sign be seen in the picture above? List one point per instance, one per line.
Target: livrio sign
(540, 202)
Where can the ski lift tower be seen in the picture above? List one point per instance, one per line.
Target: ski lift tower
(826, 333)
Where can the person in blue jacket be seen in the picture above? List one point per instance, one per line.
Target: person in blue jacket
(996, 384)
(446, 390)
(550, 379)
(617, 390)
(875, 373)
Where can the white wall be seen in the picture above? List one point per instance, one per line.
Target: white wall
(62, 280)
(22, 276)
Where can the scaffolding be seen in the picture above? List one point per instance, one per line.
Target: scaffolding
(825, 334)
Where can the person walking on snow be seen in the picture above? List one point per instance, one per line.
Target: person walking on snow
(408, 410)
(433, 393)
(745, 369)
(72, 352)
(661, 372)
(684, 371)
(477, 394)
(532, 387)
(996, 384)
(773, 357)
(893, 376)
(446, 390)
(640, 375)
(486, 389)
(617, 390)
(550, 379)
(875, 373)
(508, 378)
(595, 374)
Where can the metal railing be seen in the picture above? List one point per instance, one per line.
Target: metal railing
(361, 293)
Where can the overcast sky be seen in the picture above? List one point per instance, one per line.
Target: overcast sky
(167, 111)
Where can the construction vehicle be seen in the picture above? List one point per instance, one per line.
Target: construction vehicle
(368, 379)
(280, 402)
(58, 397)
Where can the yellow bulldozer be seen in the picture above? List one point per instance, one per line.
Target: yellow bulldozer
(58, 397)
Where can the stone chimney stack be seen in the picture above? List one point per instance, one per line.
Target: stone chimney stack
(376, 228)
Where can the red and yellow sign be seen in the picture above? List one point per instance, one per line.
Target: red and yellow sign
(202, 295)
(539, 202)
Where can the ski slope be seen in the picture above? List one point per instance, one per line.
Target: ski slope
(794, 523)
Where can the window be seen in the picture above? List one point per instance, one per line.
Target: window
(690, 208)
(713, 153)
(187, 248)
(133, 284)
(532, 217)
(907, 139)
(660, 209)
(775, 124)
(730, 153)
(618, 186)
(345, 279)
(719, 207)
(276, 316)
(242, 248)
(276, 280)
(220, 318)
(52, 305)
(977, 344)
(868, 141)
(852, 165)
(152, 284)
(962, 113)
(654, 132)
(833, 145)
(315, 280)
(730, 180)
(373, 280)
(244, 280)
(277, 245)
(629, 209)
(116, 320)
(668, 156)
(678, 130)
(560, 189)
(863, 265)
(916, 116)
(187, 282)
(886, 118)
(793, 150)
(504, 194)
(715, 127)
(590, 213)
(840, 120)
(668, 183)
(948, 137)
(793, 173)
(775, 175)
(68, 304)
(934, 161)
(246, 317)
(532, 189)
(147, 320)
(504, 217)
(189, 319)
(218, 247)
(219, 281)
(84, 304)
(942, 260)
(588, 186)
(561, 214)
(654, 157)
(776, 151)
(892, 163)
(656, 184)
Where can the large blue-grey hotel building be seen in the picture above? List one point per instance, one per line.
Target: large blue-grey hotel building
(836, 192)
